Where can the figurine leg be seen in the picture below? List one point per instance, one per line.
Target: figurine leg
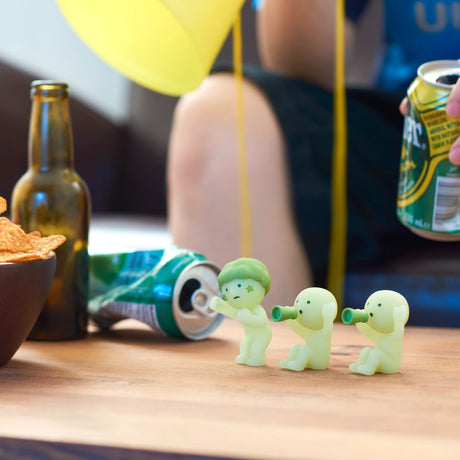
(257, 354)
(292, 354)
(388, 365)
(361, 360)
(370, 366)
(245, 346)
(301, 359)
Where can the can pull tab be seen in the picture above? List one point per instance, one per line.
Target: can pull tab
(195, 297)
(200, 301)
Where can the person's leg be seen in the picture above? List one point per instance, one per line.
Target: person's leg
(203, 191)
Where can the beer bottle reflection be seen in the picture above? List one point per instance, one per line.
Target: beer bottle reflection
(52, 198)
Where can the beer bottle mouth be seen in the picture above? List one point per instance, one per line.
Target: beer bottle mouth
(448, 79)
(49, 88)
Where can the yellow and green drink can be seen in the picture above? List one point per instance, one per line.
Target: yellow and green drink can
(428, 199)
(169, 290)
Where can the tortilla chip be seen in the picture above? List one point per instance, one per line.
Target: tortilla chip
(2, 205)
(42, 246)
(17, 246)
(12, 237)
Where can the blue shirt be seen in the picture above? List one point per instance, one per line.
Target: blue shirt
(416, 31)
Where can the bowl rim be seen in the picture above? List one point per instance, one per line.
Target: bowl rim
(48, 256)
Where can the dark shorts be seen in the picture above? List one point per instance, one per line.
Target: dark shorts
(374, 234)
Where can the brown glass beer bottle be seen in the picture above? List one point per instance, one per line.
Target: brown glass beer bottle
(52, 198)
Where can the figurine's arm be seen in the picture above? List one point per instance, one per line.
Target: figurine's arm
(370, 333)
(400, 315)
(257, 317)
(223, 307)
(295, 326)
(329, 314)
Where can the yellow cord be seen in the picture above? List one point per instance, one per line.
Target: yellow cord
(337, 251)
(245, 211)
(338, 242)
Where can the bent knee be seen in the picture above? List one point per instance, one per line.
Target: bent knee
(201, 127)
(204, 133)
(209, 114)
(209, 108)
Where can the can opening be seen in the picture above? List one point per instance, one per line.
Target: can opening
(448, 79)
(186, 294)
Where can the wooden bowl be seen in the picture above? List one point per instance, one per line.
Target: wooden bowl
(24, 287)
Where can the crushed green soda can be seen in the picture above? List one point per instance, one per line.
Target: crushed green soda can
(170, 290)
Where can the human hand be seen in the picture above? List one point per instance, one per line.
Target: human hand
(453, 111)
(403, 107)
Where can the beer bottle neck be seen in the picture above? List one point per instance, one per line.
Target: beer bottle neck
(50, 132)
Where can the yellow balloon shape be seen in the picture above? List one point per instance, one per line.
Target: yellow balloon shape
(165, 45)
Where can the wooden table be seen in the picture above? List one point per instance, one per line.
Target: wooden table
(164, 398)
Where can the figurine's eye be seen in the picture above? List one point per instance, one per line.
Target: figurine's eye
(226, 289)
(239, 285)
(371, 314)
(379, 305)
(300, 311)
(308, 301)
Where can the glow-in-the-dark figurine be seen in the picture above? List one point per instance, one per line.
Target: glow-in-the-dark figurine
(382, 321)
(312, 318)
(243, 284)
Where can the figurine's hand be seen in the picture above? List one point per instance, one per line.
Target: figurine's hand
(217, 303)
(329, 311)
(400, 314)
(453, 111)
(368, 331)
(222, 306)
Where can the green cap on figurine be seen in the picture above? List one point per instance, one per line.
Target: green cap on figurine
(283, 313)
(353, 316)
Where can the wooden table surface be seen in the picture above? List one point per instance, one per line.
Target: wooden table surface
(133, 389)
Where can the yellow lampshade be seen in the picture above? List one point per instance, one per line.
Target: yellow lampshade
(165, 45)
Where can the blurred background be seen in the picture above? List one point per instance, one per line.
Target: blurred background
(35, 37)
(121, 130)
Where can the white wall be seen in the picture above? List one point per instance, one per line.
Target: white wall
(34, 36)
